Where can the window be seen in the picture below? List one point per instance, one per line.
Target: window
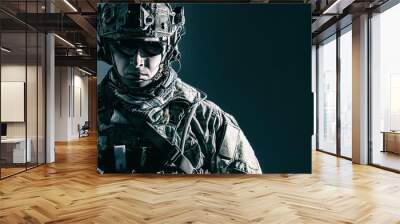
(346, 92)
(385, 88)
(327, 95)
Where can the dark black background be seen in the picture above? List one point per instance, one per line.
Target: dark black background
(254, 61)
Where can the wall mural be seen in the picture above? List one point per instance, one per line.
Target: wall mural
(151, 119)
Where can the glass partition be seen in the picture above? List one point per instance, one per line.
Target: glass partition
(31, 98)
(327, 95)
(346, 92)
(22, 77)
(385, 88)
(41, 96)
(13, 105)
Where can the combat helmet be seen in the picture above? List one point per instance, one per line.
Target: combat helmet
(145, 21)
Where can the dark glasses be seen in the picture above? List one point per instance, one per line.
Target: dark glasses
(147, 48)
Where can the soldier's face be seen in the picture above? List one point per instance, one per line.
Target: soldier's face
(136, 62)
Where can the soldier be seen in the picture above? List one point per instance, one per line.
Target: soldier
(150, 121)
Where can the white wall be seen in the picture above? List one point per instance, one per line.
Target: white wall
(80, 112)
(33, 126)
(71, 94)
(17, 72)
(61, 103)
(10, 73)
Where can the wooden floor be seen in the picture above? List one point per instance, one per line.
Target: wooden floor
(70, 191)
(387, 159)
(10, 171)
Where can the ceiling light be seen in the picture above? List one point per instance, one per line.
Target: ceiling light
(337, 7)
(65, 41)
(328, 10)
(70, 5)
(84, 71)
(5, 50)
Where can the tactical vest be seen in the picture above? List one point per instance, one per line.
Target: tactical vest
(208, 138)
(124, 148)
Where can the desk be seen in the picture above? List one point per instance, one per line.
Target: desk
(391, 141)
(15, 148)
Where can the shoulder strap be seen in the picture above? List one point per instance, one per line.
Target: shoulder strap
(187, 124)
(172, 154)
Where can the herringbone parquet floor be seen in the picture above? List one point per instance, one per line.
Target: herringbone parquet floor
(70, 191)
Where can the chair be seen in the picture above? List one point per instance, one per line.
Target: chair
(84, 130)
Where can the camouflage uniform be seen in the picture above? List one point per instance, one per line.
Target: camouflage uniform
(169, 127)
